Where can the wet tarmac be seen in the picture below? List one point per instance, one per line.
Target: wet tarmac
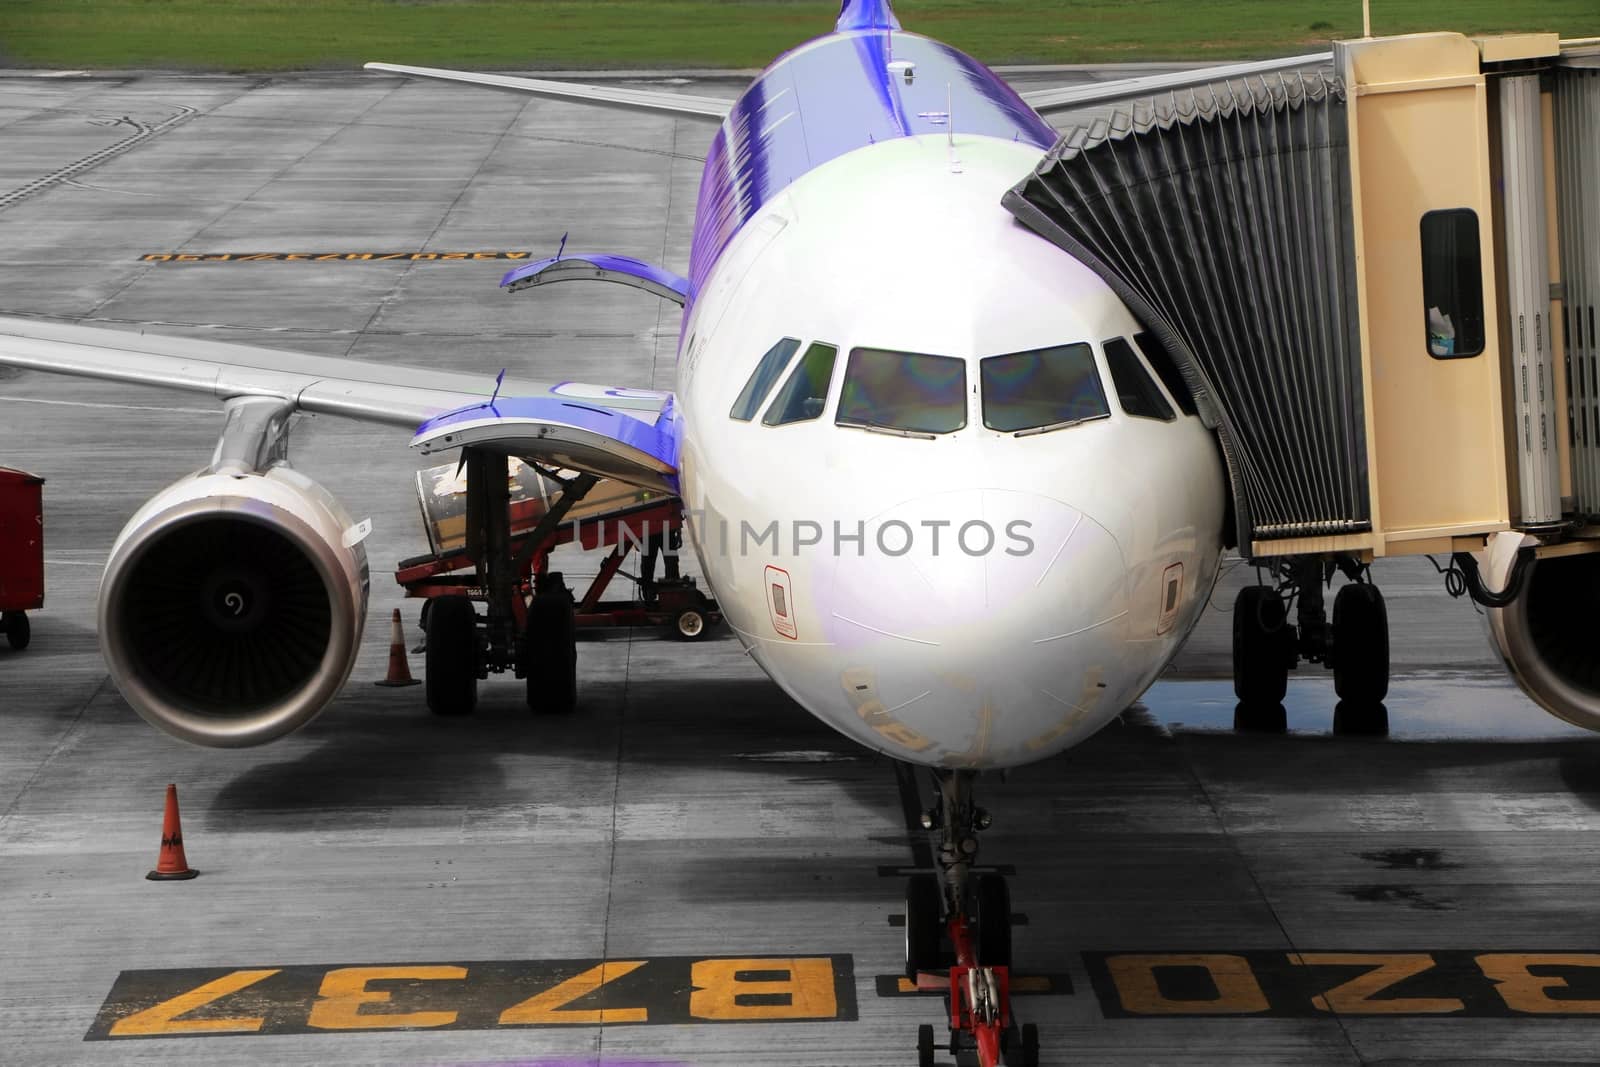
(691, 870)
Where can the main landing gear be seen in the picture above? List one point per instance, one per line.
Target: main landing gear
(529, 622)
(1266, 645)
(958, 937)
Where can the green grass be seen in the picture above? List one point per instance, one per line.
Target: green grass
(253, 35)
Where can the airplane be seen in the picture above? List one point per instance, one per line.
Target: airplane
(947, 491)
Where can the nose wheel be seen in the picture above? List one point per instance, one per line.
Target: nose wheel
(958, 922)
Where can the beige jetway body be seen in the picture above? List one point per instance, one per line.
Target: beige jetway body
(1380, 283)
(1414, 369)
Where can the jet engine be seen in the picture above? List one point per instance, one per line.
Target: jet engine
(232, 605)
(1548, 636)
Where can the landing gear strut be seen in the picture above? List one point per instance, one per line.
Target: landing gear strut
(958, 920)
(528, 623)
(1266, 645)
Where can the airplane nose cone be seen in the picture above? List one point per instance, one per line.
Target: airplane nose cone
(979, 627)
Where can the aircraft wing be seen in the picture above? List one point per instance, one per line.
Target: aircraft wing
(650, 100)
(1095, 94)
(628, 434)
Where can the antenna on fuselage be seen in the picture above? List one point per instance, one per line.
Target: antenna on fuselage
(499, 380)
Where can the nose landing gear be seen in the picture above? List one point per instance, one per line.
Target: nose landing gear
(958, 920)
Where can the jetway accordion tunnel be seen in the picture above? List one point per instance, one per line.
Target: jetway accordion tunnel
(1222, 216)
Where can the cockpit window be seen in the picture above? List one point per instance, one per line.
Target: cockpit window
(904, 392)
(1167, 368)
(762, 379)
(804, 394)
(1136, 390)
(1042, 389)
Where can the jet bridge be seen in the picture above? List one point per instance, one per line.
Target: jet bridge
(1379, 281)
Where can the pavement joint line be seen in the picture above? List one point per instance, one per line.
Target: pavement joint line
(55, 750)
(616, 798)
(12, 399)
(86, 187)
(136, 276)
(666, 237)
(310, 331)
(337, 129)
(398, 284)
(141, 133)
(56, 110)
(1255, 881)
(272, 120)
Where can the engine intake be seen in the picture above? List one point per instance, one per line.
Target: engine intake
(1547, 636)
(232, 606)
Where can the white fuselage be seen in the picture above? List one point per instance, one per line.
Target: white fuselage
(1089, 551)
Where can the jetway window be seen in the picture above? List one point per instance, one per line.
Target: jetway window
(1452, 283)
(802, 397)
(1167, 368)
(1044, 389)
(1136, 390)
(763, 378)
(903, 391)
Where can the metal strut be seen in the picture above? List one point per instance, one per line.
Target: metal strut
(959, 821)
(979, 993)
(489, 542)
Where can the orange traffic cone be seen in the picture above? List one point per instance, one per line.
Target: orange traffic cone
(399, 671)
(172, 864)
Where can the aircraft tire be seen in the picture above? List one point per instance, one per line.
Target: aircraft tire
(1360, 645)
(994, 921)
(450, 659)
(19, 632)
(1028, 1054)
(549, 655)
(1260, 718)
(1262, 647)
(1351, 719)
(923, 917)
(690, 625)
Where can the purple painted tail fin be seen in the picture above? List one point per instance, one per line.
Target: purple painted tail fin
(866, 15)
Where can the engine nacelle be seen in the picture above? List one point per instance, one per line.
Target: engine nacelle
(1548, 636)
(232, 606)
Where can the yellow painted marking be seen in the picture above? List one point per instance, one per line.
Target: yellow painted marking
(1238, 992)
(1522, 990)
(323, 257)
(859, 689)
(907, 985)
(1388, 968)
(163, 1018)
(344, 992)
(717, 989)
(551, 1005)
(1092, 692)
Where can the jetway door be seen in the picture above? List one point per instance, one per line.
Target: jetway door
(1526, 336)
(1223, 217)
(1577, 144)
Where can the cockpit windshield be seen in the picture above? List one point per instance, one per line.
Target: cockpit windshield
(903, 392)
(1042, 389)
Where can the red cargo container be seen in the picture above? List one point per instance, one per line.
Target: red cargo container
(21, 552)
